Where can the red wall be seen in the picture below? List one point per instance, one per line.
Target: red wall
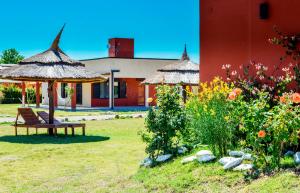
(132, 95)
(231, 32)
(121, 48)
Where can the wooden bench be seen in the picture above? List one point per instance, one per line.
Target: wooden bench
(45, 116)
(32, 121)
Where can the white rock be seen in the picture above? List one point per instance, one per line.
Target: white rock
(236, 153)
(147, 162)
(297, 157)
(247, 156)
(243, 167)
(206, 158)
(225, 160)
(203, 153)
(188, 159)
(182, 150)
(163, 158)
(233, 163)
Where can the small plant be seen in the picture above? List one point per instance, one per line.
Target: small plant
(165, 123)
(30, 95)
(69, 91)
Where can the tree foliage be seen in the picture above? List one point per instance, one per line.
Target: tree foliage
(10, 56)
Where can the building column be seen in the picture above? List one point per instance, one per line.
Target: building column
(55, 97)
(146, 95)
(38, 94)
(110, 87)
(23, 93)
(73, 97)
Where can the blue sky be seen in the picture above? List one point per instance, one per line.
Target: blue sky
(160, 27)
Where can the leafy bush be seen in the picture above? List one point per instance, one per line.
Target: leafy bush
(214, 116)
(270, 129)
(165, 123)
(11, 94)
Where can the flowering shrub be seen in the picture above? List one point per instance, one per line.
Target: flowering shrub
(270, 129)
(165, 123)
(291, 45)
(257, 77)
(214, 116)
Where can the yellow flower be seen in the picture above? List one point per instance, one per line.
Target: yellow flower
(212, 112)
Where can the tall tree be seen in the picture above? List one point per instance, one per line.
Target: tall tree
(10, 56)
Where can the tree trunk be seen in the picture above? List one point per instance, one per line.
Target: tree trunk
(51, 105)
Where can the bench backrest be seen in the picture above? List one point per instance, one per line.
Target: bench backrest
(45, 116)
(29, 116)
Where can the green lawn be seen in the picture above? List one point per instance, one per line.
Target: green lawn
(10, 110)
(107, 160)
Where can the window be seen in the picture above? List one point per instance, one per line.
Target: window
(101, 90)
(63, 90)
(104, 90)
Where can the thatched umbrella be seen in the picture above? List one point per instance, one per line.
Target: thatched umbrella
(51, 66)
(184, 72)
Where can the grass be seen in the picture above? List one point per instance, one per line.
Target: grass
(10, 110)
(107, 160)
(103, 161)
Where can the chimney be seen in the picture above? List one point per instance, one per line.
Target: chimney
(121, 48)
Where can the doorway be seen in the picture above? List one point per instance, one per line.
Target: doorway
(79, 94)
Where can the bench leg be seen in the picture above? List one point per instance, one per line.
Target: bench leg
(55, 131)
(27, 130)
(83, 130)
(73, 131)
(66, 130)
(16, 130)
(36, 131)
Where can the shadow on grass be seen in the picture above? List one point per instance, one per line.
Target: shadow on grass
(46, 139)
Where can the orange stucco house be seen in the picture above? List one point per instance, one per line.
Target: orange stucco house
(237, 31)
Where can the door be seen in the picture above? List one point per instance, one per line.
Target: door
(79, 94)
(141, 95)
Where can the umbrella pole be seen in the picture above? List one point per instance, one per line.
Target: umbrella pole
(51, 104)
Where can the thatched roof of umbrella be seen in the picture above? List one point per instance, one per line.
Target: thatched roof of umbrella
(183, 72)
(52, 64)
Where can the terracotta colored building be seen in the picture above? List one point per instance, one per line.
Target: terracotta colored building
(127, 71)
(237, 31)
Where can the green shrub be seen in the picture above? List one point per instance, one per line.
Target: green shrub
(214, 118)
(165, 123)
(11, 94)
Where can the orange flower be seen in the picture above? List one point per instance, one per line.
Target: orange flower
(237, 91)
(150, 100)
(232, 96)
(261, 134)
(296, 98)
(282, 99)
